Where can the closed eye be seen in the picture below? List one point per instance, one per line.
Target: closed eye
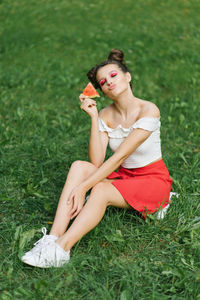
(113, 74)
(102, 82)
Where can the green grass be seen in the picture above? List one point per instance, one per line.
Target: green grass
(46, 48)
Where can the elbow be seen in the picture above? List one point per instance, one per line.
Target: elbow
(97, 163)
(121, 158)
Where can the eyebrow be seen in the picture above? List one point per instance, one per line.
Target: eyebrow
(108, 73)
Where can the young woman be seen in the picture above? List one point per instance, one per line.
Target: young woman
(131, 126)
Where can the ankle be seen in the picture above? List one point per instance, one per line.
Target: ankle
(55, 233)
(63, 244)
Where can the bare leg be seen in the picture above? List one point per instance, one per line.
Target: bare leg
(78, 172)
(102, 195)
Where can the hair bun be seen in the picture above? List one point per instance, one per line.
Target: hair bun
(116, 54)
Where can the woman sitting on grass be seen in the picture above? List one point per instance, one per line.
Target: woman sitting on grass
(142, 182)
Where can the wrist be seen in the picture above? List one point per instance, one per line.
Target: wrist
(94, 117)
(84, 188)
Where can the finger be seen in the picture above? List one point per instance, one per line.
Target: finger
(72, 215)
(88, 103)
(70, 199)
(74, 209)
(84, 106)
(79, 208)
(86, 99)
(83, 97)
(92, 104)
(91, 101)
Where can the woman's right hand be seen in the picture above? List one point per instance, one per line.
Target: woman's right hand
(88, 105)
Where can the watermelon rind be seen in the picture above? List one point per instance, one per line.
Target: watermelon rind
(94, 96)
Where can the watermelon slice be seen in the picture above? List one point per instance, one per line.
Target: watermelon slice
(90, 91)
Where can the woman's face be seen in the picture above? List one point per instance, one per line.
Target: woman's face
(112, 80)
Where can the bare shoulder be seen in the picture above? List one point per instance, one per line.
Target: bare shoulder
(106, 112)
(149, 109)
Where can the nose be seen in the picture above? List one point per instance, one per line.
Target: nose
(109, 80)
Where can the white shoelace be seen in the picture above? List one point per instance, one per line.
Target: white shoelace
(44, 241)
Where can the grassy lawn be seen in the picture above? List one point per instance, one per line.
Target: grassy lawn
(46, 48)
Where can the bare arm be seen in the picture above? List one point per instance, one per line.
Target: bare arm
(97, 144)
(129, 145)
(98, 140)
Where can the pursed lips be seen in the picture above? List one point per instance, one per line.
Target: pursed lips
(111, 87)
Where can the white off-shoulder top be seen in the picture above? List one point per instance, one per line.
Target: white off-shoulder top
(147, 152)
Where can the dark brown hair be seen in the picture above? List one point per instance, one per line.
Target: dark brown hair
(116, 56)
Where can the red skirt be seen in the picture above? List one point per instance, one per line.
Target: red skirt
(146, 189)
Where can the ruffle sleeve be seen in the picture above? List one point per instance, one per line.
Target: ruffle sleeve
(103, 126)
(150, 124)
(147, 123)
(119, 132)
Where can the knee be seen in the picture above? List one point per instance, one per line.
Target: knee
(99, 187)
(82, 167)
(79, 166)
(99, 193)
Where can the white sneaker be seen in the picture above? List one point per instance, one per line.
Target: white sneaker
(162, 212)
(32, 257)
(44, 241)
(50, 256)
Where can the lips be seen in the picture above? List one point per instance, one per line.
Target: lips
(111, 87)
